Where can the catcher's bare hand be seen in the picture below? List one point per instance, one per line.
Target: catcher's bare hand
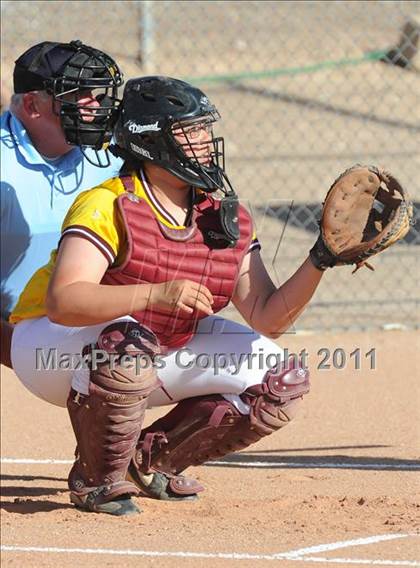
(184, 295)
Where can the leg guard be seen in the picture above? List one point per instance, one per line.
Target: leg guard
(107, 423)
(209, 427)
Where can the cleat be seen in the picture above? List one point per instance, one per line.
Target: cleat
(120, 507)
(158, 485)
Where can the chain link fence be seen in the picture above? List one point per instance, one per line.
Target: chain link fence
(305, 89)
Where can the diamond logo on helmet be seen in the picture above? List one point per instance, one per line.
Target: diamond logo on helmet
(139, 128)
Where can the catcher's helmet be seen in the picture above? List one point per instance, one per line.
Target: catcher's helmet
(65, 70)
(152, 109)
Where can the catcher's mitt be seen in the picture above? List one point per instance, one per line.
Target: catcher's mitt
(366, 211)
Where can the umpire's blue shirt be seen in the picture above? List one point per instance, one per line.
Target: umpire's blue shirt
(35, 195)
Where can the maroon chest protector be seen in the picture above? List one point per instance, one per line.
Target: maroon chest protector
(156, 253)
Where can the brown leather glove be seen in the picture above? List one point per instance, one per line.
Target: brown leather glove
(366, 211)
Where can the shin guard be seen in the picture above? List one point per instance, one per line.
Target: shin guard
(107, 423)
(209, 427)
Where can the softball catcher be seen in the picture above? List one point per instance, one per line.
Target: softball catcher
(145, 262)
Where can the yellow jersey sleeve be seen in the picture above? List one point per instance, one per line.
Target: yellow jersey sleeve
(93, 217)
(31, 303)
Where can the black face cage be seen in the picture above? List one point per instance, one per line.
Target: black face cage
(85, 126)
(213, 175)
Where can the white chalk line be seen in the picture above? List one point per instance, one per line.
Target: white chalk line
(357, 561)
(297, 555)
(344, 544)
(226, 556)
(290, 465)
(221, 555)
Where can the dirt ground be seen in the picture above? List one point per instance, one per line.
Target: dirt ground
(346, 469)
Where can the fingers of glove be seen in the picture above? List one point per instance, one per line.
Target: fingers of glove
(391, 191)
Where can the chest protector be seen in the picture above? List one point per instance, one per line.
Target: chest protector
(157, 253)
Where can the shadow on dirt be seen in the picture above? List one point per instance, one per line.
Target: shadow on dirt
(269, 461)
(23, 494)
(323, 448)
(30, 506)
(18, 491)
(8, 477)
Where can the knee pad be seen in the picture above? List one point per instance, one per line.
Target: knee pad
(122, 358)
(274, 402)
